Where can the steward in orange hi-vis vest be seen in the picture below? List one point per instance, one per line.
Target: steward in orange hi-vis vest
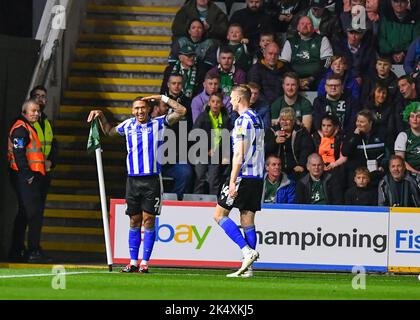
(34, 154)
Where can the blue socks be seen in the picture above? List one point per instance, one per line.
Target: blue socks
(251, 236)
(232, 230)
(134, 240)
(149, 241)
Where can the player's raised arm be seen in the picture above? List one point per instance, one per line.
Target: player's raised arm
(179, 110)
(106, 127)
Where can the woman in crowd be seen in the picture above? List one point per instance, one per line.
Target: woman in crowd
(291, 142)
(366, 147)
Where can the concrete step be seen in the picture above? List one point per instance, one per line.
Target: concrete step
(106, 96)
(72, 214)
(73, 246)
(138, 82)
(114, 84)
(124, 46)
(124, 38)
(75, 223)
(150, 17)
(72, 230)
(127, 27)
(121, 56)
(82, 154)
(144, 10)
(120, 67)
(156, 3)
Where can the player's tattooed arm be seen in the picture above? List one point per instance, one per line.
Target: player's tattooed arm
(179, 110)
(106, 127)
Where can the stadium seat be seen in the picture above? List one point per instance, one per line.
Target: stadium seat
(235, 7)
(170, 196)
(398, 69)
(310, 95)
(222, 6)
(200, 197)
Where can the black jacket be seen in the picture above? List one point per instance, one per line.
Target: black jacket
(360, 63)
(303, 190)
(294, 152)
(203, 122)
(356, 196)
(376, 148)
(351, 108)
(252, 23)
(270, 80)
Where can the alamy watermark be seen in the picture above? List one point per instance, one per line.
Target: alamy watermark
(59, 17)
(199, 147)
(58, 281)
(359, 280)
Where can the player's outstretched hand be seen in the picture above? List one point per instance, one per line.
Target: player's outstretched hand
(93, 115)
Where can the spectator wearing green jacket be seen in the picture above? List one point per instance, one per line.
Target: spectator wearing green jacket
(397, 30)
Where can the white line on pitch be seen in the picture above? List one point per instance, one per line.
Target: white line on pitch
(48, 274)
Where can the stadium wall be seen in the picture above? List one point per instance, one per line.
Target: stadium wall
(290, 237)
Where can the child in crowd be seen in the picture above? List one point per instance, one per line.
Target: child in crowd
(328, 141)
(265, 39)
(238, 44)
(339, 66)
(361, 194)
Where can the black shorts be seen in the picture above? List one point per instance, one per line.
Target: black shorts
(143, 193)
(249, 195)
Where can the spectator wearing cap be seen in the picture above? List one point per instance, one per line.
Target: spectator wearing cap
(214, 19)
(189, 68)
(308, 53)
(230, 75)
(407, 144)
(384, 75)
(325, 22)
(358, 17)
(359, 52)
(205, 48)
(253, 21)
(268, 73)
(398, 27)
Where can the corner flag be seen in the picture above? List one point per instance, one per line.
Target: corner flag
(94, 140)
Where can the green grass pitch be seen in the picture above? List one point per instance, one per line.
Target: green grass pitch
(199, 284)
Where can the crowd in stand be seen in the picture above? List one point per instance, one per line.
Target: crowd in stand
(357, 142)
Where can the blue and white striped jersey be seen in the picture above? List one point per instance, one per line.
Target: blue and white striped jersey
(249, 127)
(143, 141)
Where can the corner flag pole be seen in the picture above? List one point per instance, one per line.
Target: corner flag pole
(94, 144)
(104, 206)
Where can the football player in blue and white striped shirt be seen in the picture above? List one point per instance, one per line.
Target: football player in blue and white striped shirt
(143, 137)
(244, 187)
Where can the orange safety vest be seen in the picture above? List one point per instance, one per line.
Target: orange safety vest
(34, 154)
